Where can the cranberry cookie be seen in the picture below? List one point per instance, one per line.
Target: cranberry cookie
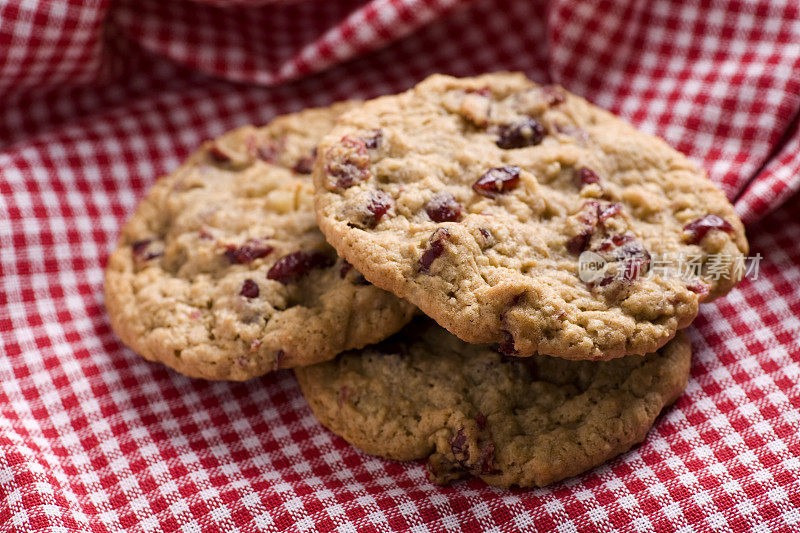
(471, 411)
(521, 214)
(222, 273)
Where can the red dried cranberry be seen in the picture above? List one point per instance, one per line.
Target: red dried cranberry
(700, 227)
(378, 204)
(140, 246)
(507, 346)
(585, 176)
(606, 281)
(434, 250)
(497, 181)
(140, 251)
(613, 242)
(295, 265)
(592, 214)
(443, 208)
(579, 242)
(248, 252)
(604, 213)
(699, 288)
(458, 445)
(352, 168)
(374, 140)
(206, 235)
(589, 212)
(528, 132)
(306, 164)
(480, 420)
(249, 289)
(487, 459)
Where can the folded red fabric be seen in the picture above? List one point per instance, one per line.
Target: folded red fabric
(100, 98)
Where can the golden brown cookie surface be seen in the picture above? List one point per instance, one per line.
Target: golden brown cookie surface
(471, 411)
(480, 200)
(222, 273)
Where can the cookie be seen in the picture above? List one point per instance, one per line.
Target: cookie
(222, 273)
(474, 412)
(521, 214)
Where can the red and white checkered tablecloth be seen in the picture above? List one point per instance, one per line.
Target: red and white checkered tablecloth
(99, 98)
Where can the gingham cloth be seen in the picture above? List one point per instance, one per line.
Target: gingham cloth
(97, 99)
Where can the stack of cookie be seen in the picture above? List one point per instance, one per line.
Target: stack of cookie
(555, 250)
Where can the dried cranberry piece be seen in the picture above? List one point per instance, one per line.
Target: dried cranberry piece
(306, 164)
(528, 132)
(248, 252)
(700, 227)
(496, 181)
(506, 347)
(351, 169)
(487, 459)
(140, 246)
(480, 420)
(249, 289)
(585, 176)
(579, 242)
(604, 213)
(606, 281)
(140, 251)
(458, 445)
(592, 214)
(699, 288)
(378, 204)
(443, 208)
(434, 250)
(295, 265)
(589, 212)
(374, 140)
(614, 241)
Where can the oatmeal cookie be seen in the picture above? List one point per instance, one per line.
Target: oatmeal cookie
(474, 412)
(521, 214)
(222, 273)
